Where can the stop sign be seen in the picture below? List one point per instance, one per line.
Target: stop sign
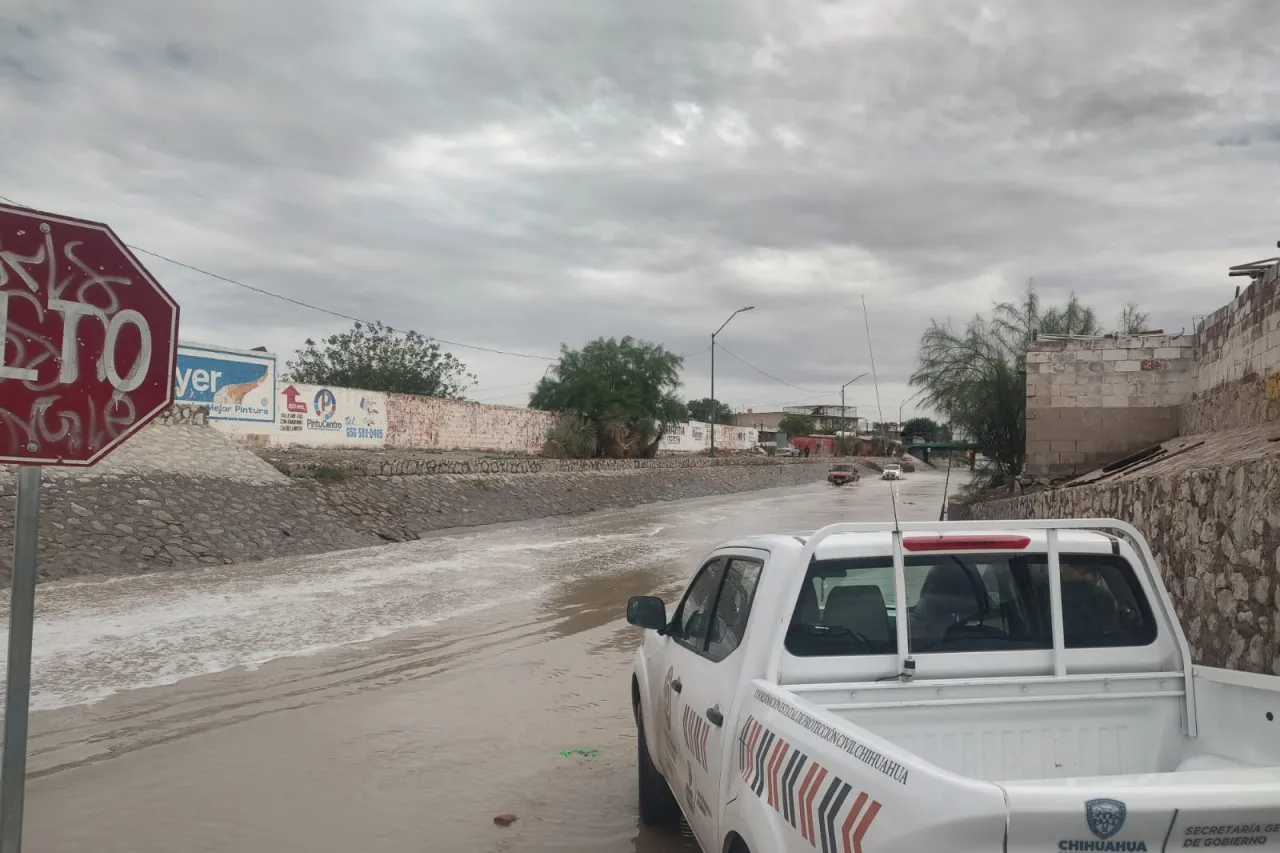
(89, 340)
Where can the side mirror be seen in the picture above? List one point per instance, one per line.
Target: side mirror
(647, 611)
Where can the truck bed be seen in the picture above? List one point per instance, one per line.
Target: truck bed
(1060, 728)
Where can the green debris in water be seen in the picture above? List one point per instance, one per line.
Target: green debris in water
(586, 753)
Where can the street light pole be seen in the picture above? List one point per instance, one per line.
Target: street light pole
(844, 419)
(713, 373)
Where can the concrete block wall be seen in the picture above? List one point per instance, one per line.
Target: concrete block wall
(1093, 400)
(1236, 380)
(433, 423)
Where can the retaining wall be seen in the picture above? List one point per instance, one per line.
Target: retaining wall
(1212, 517)
(401, 508)
(411, 463)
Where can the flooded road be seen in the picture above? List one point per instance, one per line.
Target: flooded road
(392, 699)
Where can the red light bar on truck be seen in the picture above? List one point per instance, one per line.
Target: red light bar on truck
(966, 542)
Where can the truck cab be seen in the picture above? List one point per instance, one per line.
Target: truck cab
(968, 686)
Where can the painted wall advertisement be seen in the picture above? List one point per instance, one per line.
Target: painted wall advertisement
(236, 385)
(327, 417)
(695, 437)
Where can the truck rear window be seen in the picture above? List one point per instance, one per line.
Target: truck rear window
(967, 603)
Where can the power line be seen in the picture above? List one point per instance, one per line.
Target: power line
(770, 407)
(767, 374)
(312, 306)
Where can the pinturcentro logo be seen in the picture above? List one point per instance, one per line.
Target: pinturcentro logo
(326, 404)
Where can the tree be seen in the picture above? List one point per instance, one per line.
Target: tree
(1018, 322)
(976, 377)
(373, 357)
(796, 425)
(700, 410)
(623, 391)
(1133, 321)
(926, 429)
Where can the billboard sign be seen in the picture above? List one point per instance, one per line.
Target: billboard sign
(236, 385)
(324, 416)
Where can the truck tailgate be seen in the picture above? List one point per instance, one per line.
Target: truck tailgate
(1155, 812)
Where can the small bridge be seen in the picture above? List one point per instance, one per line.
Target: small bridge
(922, 450)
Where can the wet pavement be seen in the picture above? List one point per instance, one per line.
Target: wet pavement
(391, 699)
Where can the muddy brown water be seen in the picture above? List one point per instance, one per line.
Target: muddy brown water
(394, 699)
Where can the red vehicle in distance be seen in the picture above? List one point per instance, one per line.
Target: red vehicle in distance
(842, 473)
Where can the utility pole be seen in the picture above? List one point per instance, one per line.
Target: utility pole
(713, 374)
(844, 419)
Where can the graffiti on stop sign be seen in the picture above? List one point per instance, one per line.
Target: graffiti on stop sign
(89, 340)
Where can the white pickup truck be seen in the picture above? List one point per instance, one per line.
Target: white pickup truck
(1035, 692)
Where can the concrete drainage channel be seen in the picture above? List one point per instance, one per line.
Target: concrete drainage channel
(179, 495)
(400, 509)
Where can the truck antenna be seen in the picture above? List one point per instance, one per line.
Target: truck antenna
(875, 380)
(946, 484)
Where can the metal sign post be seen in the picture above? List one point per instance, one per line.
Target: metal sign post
(88, 344)
(17, 693)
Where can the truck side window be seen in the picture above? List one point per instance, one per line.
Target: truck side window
(733, 607)
(845, 608)
(694, 617)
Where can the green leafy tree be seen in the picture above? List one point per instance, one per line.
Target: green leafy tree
(796, 425)
(976, 376)
(926, 429)
(624, 391)
(700, 410)
(373, 357)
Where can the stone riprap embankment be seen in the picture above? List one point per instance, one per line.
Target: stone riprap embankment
(180, 494)
(390, 463)
(175, 495)
(1211, 512)
(402, 507)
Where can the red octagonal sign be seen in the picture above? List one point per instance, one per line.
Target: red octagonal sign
(89, 340)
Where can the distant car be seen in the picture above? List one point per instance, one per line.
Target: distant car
(891, 472)
(841, 474)
(786, 451)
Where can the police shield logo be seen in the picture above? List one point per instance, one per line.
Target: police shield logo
(1105, 817)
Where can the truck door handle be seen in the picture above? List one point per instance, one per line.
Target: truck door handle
(677, 686)
(714, 715)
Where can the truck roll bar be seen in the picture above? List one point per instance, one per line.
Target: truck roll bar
(1052, 527)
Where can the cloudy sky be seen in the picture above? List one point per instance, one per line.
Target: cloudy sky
(513, 174)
